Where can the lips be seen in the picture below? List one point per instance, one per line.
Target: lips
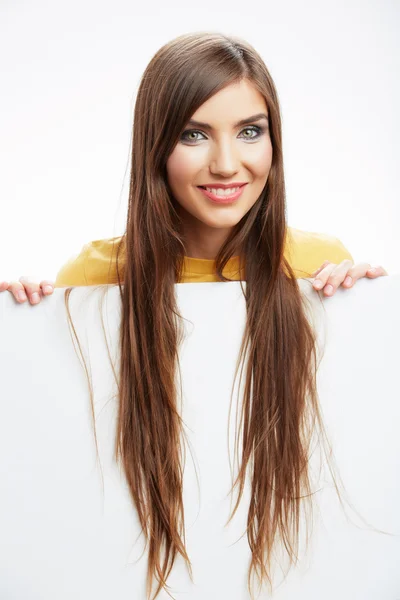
(225, 198)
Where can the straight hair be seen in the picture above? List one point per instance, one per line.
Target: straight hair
(280, 409)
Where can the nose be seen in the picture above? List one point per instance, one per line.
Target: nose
(224, 160)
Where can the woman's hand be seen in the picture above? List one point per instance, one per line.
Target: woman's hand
(331, 275)
(26, 287)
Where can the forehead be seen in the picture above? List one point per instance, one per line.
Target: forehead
(230, 105)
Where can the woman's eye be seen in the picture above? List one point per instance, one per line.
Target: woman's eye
(190, 132)
(255, 129)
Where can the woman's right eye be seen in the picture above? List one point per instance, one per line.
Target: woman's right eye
(190, 131)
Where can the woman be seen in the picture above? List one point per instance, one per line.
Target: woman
(207, 203)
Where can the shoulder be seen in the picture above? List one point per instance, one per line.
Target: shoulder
(307, 250)
(93, 265)
(103, 249)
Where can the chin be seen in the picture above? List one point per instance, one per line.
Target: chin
(222, 223)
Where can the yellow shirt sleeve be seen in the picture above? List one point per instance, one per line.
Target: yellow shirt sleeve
(305, 251)
(96, 263)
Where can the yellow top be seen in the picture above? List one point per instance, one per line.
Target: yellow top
(96, 263)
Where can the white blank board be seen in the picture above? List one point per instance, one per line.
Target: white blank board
(64, 535)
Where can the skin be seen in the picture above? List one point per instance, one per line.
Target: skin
(224, 153)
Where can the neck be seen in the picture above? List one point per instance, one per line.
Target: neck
(202, 241)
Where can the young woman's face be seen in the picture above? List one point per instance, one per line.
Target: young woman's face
(224, 152)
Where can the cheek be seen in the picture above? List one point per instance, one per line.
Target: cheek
(182, 167)
(262, 161)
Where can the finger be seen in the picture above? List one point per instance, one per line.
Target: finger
(361, 270)
(343, 272)
(354, 274)
(333, 275)
(4, 286)
(17, 290)
(376, 271)
(47, 287)
(326, 262)
(323, 275)
(32, 289)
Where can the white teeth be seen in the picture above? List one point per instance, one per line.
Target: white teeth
(222, 192)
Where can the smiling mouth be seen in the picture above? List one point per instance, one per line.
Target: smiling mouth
(222, 195)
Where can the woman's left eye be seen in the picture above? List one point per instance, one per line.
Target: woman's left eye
(257, 130)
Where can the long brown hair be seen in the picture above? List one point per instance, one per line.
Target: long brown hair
(280, 402)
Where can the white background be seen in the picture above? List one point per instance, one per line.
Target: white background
(69, 76)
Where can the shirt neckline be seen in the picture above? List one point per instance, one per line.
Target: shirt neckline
(205, 266)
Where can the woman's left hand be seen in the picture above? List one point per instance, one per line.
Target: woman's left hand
(331, 275)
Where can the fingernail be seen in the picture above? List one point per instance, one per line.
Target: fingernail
(47, 289)
(348, 280)
(318, 283)
(373, 270)
(329, 289)
(35, 297)
(21, 295)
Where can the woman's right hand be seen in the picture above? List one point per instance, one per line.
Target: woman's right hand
(27, 288)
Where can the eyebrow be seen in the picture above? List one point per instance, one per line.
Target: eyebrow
(246, 121)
